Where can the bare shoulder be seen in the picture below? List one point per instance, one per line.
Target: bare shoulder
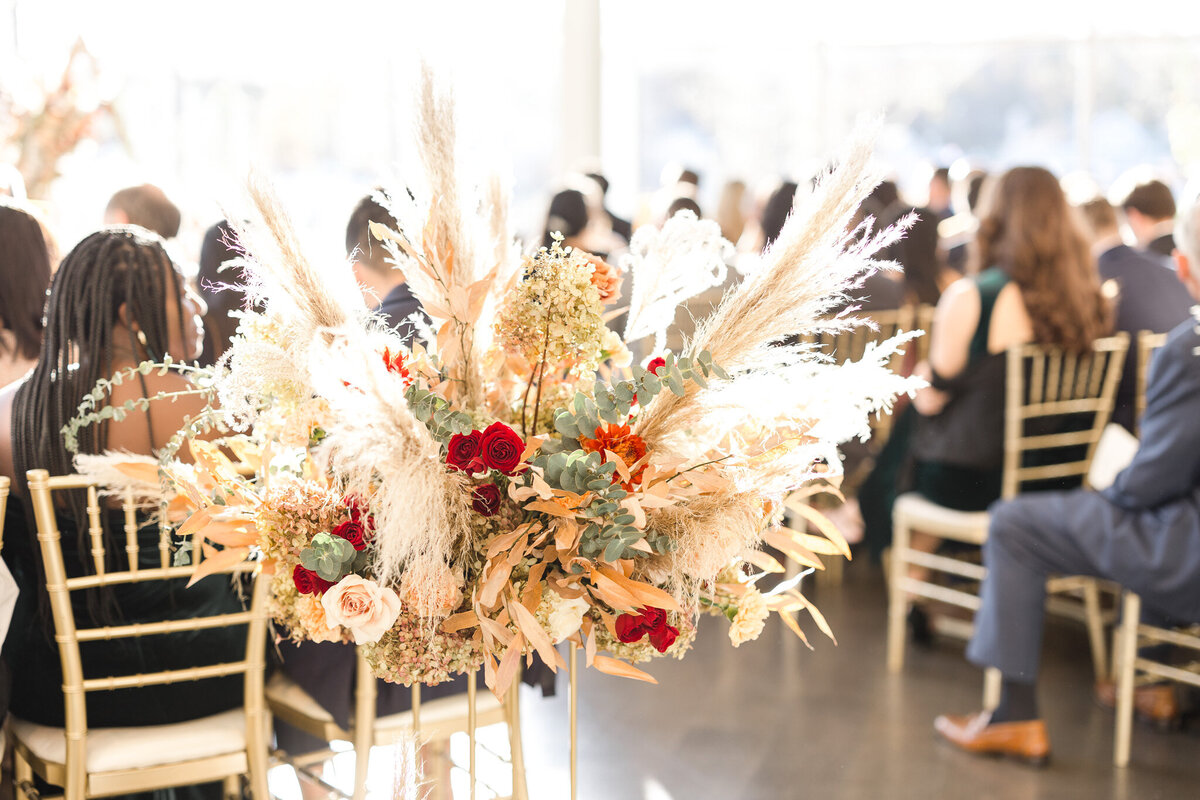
(1011, 324)
(173, 402)
(7, 394)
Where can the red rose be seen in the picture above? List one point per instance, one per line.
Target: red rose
(360, 512)
(501, 447)
(463, 451)
(353, 532)
(663, 637)
(654, 364)
(309, 582)
(486, 499)
(629, 628)
(652, 621)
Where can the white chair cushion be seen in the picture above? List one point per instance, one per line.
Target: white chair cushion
(283, 691)
(926, 516)
(149, 746)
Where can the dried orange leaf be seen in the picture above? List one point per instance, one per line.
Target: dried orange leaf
(218, 561)
(824, 526)
(460, 621)
(612, 666)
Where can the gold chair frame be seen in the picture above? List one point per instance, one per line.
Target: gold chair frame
(433, 721)
(1131, 634)
(72, 773)
(1059, 383)
(1147, 343)
(850, 344)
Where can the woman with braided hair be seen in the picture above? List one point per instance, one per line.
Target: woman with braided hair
(116, 300)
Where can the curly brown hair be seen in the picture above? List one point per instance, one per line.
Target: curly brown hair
(1030, 231)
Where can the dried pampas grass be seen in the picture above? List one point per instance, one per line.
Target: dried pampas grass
(754, 333)
(709, 532)
(380, 450)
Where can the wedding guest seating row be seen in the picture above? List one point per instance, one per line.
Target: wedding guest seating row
(1046, 389)
(89, 762)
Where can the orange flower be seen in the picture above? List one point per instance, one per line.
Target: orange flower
(395, 363)
(605, 277)
(620, 440)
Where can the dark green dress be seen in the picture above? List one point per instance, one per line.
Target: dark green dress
(33, 659)
(954, 458)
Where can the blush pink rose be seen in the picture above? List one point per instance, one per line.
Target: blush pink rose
(362, 607)
(606, 278)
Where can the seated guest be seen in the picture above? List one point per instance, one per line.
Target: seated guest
(116, 300)
(1034, 281)
(147, 206)
(1142, 532)
(1149, 295)
(939, 194)
(579, 215)
(926, 275)
(217, 289)
(26, 266)
(621, 227)
(384, 287)
(684, 204)
(1150, 211)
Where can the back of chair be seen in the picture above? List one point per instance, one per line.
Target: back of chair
(923, 321)
(1147, 343)
(42, 486)
(4, 483)
(851, 344)
(1056, 407)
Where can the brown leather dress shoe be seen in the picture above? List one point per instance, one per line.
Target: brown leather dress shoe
(1026, 741)
(1154, 704)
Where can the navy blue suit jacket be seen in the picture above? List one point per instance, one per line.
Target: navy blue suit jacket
(397, 307)
(1151, 299)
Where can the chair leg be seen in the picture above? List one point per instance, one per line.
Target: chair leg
(233, 787)
(22, 774)
(76, 788)
(516, 751)
(1130, 615)
(991, 688)
(258, 757)
(897, 597)
(1095, 626)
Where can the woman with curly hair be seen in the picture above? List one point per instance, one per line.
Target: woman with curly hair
(1032, 279)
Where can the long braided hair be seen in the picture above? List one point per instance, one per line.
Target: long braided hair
(115, 267)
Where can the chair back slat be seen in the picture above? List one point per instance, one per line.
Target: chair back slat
(851, 344)
(1147, 343)
(1057, 404)
(4, 483)
(95, 529)
(131, 529)
(923, 321)
(68, 636)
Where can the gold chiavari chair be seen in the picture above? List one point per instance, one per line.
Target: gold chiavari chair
(431, 722)
(1044, 387)
(1147, 343)
(1130, 666)
(4, 483)
(850, 344)
(924, 322)
(103, 762)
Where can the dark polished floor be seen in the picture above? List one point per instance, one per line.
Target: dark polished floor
(775, 720)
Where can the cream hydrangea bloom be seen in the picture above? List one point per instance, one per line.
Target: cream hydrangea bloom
(751, 616)
(565, 616)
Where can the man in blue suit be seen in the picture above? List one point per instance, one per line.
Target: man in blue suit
(385, 288)
(1142, 532)
(1149, 294)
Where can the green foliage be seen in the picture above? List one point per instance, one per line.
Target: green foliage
(613, 404)
(442, 421)
(92, 411)
(329, 556)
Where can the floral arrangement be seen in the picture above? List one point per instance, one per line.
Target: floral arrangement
(39, 124)
(509, 480)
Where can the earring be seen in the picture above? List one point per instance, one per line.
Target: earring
(141, 337)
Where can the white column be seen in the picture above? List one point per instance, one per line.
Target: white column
(580, 82)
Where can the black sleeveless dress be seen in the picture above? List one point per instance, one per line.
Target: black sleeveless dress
(33, 659)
